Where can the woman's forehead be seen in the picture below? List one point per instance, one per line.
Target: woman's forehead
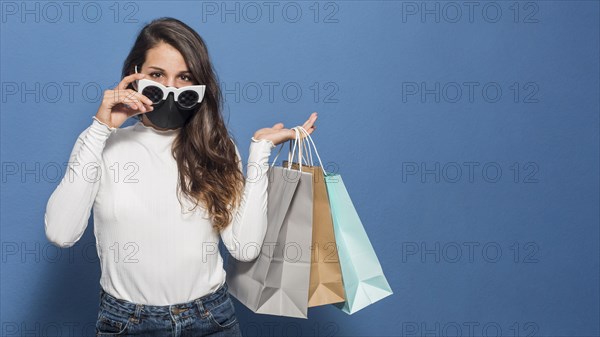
(166, 58)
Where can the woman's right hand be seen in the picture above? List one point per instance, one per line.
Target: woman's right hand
(120, 103)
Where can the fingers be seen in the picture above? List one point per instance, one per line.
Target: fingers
(132, 99)
(128, 79)
(311, 120)
(142, 102)
(309, 125)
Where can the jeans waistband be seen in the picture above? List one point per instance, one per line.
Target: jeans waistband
(203, 303)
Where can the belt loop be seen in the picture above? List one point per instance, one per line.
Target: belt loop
(200, 306)
(138, 310)
(136, 314)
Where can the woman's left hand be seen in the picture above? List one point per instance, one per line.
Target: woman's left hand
(278, 134)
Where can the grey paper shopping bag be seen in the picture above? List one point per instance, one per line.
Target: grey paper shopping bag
(277, 281)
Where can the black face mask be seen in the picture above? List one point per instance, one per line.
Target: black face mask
(169, 115)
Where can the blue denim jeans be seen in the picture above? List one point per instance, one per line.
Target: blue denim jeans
(210, 315)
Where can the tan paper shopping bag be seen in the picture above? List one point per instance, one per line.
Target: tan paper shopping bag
(326, 285)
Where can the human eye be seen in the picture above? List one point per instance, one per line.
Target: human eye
(186, 78)
(155, 73)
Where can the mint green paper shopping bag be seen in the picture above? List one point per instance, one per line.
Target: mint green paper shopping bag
(364, 281)
(362, 275)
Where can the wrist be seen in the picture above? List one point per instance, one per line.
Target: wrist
(104, 123)
(258, 140)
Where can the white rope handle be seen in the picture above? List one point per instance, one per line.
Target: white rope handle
(291, 152)
(277, 155)
(314, 146)
(308, 150)
(278, 152)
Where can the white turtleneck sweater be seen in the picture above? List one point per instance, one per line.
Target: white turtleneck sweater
(150, 252)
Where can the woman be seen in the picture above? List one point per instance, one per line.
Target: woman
(164, 192)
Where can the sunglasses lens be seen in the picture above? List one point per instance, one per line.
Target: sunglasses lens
(153, 93)
(188, 98)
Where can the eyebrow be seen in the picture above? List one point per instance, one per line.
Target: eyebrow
(181, 72)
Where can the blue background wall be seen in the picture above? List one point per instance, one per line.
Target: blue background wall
(409, 94)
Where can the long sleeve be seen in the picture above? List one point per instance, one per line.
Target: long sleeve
(68, 208)
(244, 237)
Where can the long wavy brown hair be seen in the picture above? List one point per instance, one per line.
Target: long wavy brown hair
(205, 152)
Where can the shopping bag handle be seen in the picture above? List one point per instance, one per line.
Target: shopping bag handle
(281, 147)
(303, 130)
(307, 150)
(296, 142)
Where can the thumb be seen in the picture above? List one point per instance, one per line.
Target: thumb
(278, 126)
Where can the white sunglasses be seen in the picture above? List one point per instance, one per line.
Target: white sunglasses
(186, 97)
